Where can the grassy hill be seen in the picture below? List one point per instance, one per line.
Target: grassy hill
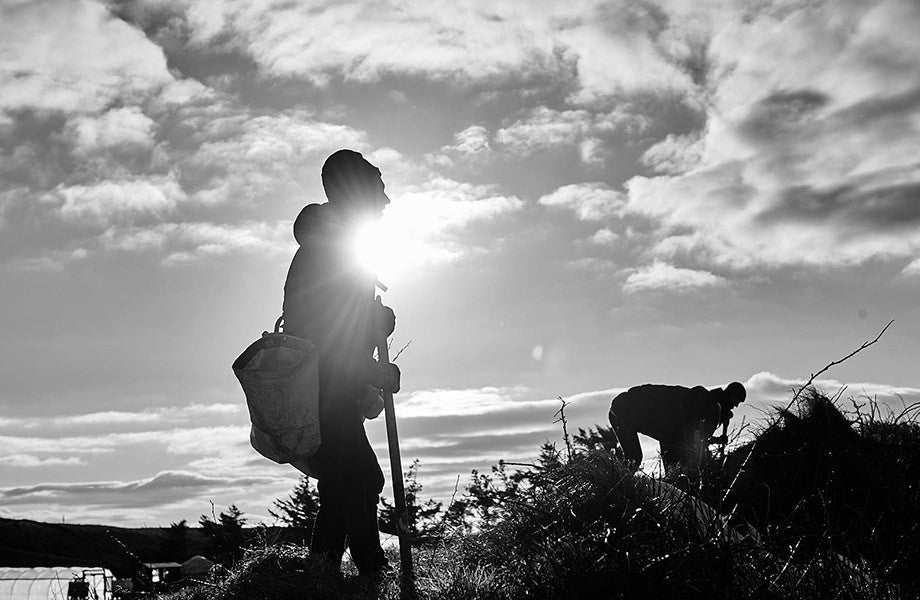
(818, 505)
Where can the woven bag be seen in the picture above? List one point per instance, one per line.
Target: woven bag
(280, 378)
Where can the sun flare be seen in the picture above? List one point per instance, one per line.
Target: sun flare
(383, 247)
(405, 240)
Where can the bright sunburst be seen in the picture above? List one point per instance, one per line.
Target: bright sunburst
(381, 248)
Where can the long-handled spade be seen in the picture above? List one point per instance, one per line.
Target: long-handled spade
(407, 575)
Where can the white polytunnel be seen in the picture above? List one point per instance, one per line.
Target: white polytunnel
(55, 583)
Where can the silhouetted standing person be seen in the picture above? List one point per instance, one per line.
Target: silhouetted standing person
(329, 300)
(681, 419)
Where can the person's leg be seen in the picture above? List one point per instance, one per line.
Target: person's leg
(328, 540)
(672, 455)
(628, 438)
(696, 450)
(361, 512)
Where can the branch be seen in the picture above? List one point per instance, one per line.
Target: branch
(834, 363)
(401, 351)
(565, 427)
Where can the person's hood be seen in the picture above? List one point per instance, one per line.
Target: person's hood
(311, 220)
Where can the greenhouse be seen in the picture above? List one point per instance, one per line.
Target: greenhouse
(55, 583)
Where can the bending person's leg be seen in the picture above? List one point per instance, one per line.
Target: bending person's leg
(672, 455)
(628, 439)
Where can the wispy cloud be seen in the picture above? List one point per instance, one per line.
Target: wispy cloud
(167, 415)
(589, 201)
(661, 276)
(163, 489)
(111, 201)
(31, 461)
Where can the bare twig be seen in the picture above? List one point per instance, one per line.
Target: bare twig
(565, 429)
(834, 363)
(401, 351)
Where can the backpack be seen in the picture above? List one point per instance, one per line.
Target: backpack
(279, 374)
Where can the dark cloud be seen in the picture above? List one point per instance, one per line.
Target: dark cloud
(874, 112)
(780, 114)
(489, 444)
(33, 151)
(165, 488)
(886, 208)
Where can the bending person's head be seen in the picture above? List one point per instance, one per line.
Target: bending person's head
(735, 393)
(353, 184)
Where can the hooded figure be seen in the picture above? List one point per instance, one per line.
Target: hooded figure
(329, 300)
(681, 419)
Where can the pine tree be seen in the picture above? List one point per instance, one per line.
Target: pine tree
(300, 508)
(596, 438)
(225, 534)
(423, 516)
(175, 546)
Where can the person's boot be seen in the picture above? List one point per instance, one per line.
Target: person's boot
(376, 579)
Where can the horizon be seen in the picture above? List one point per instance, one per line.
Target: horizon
(584, 198)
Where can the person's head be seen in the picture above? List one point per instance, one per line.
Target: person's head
(353, 184)
(735, 394)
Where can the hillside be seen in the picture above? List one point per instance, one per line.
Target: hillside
(25, 543)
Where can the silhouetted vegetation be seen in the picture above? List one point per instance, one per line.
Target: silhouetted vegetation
(820, 504)
(226, 535)
(300, 508)
(424, 516)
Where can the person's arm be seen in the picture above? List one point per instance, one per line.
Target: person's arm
(706, 412)
(720, 420)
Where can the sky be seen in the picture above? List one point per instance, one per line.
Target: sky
(586, 196)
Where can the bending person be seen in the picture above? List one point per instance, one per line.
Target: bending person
(681, 419)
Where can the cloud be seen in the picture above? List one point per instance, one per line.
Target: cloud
(589, 201)
(164, 416)
(808, 154)
(912, 269)
(673, 155)
(604, 237)
(112, 201)
(471, 147)
(473, 140)
(176, 440)
(777, 391)
(431, 223)
(605, 48)
(660, 276)
(163, 489)
(52, 262)
(441, 402)
(189, 242)
(31, 461)
(246, 159)
(73, 56)
(126, 126)
(544, 128)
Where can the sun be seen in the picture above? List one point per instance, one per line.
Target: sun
(401, 244)
(379, 248)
